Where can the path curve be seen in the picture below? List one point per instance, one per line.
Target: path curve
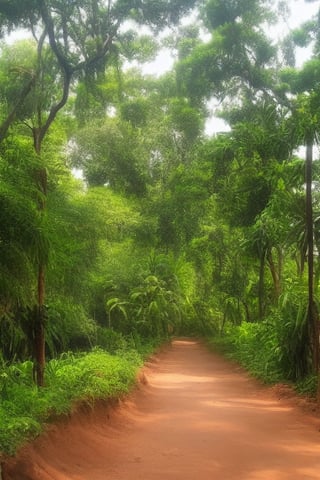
(200, 417)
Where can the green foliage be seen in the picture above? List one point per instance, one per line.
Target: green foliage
(14, 343)
(219, 13)
(116, 304)
(110, 154)
(171, 231)
(292, 331)
(236, 59)
(308, 386)
(158, 298)
(253, 345)
(154, 307)
(135, 112)
(70, 380)
(277, 348)
(68, 327)
(23, 239)
(111, 340)
(17, 72)
(185, 119)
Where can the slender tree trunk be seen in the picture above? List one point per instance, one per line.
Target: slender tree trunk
(223, 322)
(312, 313)
(39, 329)
(247, 311)
(40, 315)
(275, 275)
(261, 286)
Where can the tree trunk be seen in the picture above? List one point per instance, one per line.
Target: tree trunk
(247, 311)
(312, 312)
(40, 314)
(39, 331)
(261, 286)
(275, 274)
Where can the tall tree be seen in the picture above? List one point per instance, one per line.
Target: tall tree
(237, 61)
(81, 36)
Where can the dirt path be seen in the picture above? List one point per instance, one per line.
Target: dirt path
(199, 418)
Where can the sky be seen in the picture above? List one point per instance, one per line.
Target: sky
(301, 11)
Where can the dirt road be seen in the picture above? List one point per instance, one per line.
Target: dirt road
(198, 418)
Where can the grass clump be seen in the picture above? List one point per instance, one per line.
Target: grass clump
(254, 346)
(70, 380)
(274, 350)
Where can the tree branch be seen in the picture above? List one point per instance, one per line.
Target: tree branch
(4, 127)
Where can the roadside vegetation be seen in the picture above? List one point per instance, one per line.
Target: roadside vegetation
(73, 380)
(260, 351)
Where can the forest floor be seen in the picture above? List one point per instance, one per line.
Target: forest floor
(196, 416)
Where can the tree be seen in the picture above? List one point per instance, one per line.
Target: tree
(111, 153)
(305, 111)
(237, 60)
(80, 36)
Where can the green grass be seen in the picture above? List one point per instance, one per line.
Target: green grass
(71, 380)
(258, 348)
(254, 346)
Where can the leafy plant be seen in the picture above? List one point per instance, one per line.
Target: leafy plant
(70, 380)
(253, 345)
(154, 307)
(116, 304)
(291, 329)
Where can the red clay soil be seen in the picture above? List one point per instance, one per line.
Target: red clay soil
(199, 417)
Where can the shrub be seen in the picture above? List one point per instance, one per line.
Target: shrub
(71, 379)
(254, 346)
(110, 340)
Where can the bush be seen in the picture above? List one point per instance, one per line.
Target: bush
(254, 346)
(290, 324)
(73, 378)
(275, 349)
(110, 340)
(68, 328)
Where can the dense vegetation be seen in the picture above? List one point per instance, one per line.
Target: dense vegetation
(169, 230)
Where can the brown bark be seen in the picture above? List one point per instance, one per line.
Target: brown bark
(275, 274)
(261, 286)
(40, 314)
(312, 314)
(39, 345)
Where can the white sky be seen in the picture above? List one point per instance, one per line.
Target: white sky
(301, 11)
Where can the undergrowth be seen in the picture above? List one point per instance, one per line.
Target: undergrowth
(70, 380)
(264, 351)
(254, 346)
